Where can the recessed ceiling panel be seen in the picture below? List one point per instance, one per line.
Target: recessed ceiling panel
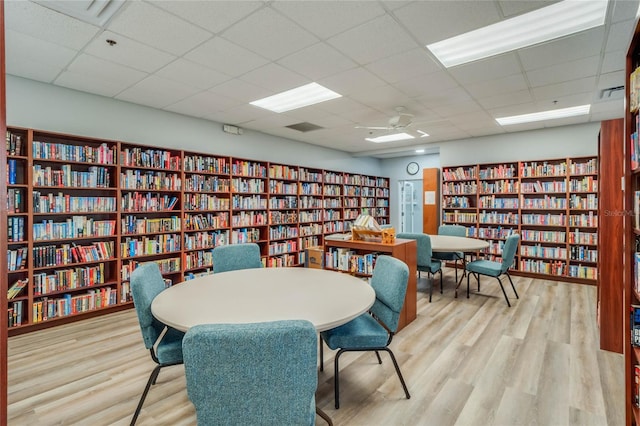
(317, 61)
(226, 57)
(188, 72)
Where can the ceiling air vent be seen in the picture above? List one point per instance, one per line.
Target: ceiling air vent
(612, 92)
(304, 127)
(95, 12)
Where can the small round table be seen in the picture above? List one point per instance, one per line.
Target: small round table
(325, 298)
(450, 243)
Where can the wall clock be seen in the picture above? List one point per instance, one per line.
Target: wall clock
(413, 168)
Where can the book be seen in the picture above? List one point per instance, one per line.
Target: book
(635, 325)
(15, 289)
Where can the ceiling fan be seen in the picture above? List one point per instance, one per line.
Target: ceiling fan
(398, 122)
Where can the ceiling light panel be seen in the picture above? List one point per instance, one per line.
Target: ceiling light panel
(390, 138)
(544, 115)
(309, 94)
(547, 23)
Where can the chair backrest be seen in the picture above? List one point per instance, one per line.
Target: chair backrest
(252, 374)
(146, 284)
(453, 230)
(424, 252)
(509, 251)
(389, 281)
(236, 256)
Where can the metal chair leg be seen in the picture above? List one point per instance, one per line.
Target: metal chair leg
(336, 380)
(321, 344)
(378, 355)
(503, 292)
(152, 380)
(395, 364)
(512, 286)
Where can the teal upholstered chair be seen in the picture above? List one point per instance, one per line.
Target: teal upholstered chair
(496, 269)
(236, 256)
(252, 374)
(146, 284)
(425, 260)
(455, 231)
(373, 331)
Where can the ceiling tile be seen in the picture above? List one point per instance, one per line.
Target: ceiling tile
(352, 81)
(157, 92)
(425, 84)
(373, 40)
(214, 16)
(270, 34)
(505, 99)
(117, 76)
(487, 69)
(238, 115)
(148, 24)
(88, 83)
(455, 109)
(328, 18)
(275, 78)
(612, 79)
(567, 101)
(581, 45)
(28, 68)
(510, 7)
(26, 48)
(317, 61)
(620, 35)
(39, 22)
(500, 86)
(404, 65)
(431, 21)
(444, 96)
(554, 91)
(190, 73)
(623, 9)
(128, 52)
(614, 61)
(241, 90)
(226, 57)
(382, 97)
(564, 72)
(615, 107)
(202, 104)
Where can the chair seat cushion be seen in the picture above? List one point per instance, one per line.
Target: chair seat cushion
(363, 332)
(433, 267)
(169, 350)
(447, 255)
(485, 267)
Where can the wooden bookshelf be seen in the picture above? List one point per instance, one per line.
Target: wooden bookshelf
(84, 213)
(631, 224)
(552, 204)
(405, 250)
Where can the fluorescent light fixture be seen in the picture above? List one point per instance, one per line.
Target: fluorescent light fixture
(390, 138)
(547, 23)
(419, 151)
(422, 134)
(302, 96)
(545, 115)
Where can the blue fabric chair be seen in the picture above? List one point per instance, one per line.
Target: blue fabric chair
(455, 231)
(236, 256)
(373, 331)
(146, 284)
(252, 374)
(496, 269)
(425, 260)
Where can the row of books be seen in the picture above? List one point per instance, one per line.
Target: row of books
(152, 180)
(143, 225)
(202, 240)
(283, 172)
(95, 177)
(49, 308)
(207, 184)
(195, 222)
(147, 201)
(167, 266)
(65, 254)
(17, 259)
(14, 144)
(198, 163)
(152, 158)
(279, 187)
(67, 203)
(73, 227)
(247, 185)
(68, 279)
(15, 229)
(12, 172)
(102, 154)
(282, 247)
(198, 259)
(15, 318)
(149, 245)
(15, 198)
(248, 168)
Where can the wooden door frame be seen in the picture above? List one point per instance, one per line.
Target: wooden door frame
(3, 230)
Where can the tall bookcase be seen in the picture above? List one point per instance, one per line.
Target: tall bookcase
(632, 226)
(83, 213)
(552, 204)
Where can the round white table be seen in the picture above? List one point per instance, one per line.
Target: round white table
(450, 243)
(325, 298)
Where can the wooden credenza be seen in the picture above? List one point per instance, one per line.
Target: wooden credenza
(401, 249)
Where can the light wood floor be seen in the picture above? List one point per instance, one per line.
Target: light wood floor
(466, 362)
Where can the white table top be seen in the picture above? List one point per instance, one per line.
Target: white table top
(325, 298)
(448, 243)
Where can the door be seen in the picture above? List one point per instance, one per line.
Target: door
(411, 206)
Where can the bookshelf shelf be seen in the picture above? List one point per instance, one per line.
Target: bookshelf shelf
(536, 199)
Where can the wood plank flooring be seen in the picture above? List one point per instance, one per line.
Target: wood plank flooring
(466, 362)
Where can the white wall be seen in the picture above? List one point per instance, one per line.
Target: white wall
(51, 108)
(555, 142)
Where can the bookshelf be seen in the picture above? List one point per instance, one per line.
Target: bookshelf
(83, 213)
(552, 204)
(632, 226)
(358, 258)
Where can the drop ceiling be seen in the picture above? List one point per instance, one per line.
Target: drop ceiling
(209, 59)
